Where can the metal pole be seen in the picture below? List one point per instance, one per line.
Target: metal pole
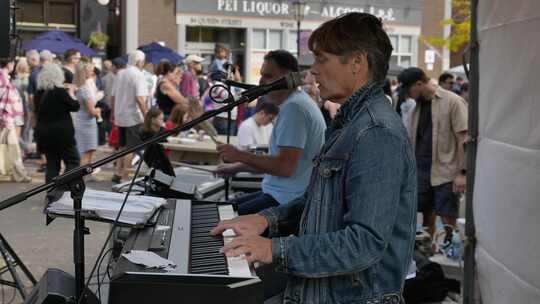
(472, 146)
(298, 40)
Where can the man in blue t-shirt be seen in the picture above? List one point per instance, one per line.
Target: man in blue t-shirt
(296, 139)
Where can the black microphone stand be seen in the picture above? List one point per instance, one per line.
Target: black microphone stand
(74, 182)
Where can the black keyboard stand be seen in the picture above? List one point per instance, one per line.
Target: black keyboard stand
(11, 261)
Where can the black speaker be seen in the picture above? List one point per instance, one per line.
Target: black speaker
(56, 287)
(5, 29)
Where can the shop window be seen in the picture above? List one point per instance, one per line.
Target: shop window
(208, 34)
(406, 61)
(238, 38)
(393, 60)
(292, 42)
(31, 11)
(192, 34)
(62, 12)
(275, 40)
(405, 46)
(259, 39)
(404, 50)
(48, 11)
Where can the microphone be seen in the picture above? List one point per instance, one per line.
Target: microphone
(291, 81)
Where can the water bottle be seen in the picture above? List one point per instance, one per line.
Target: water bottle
(455, 250)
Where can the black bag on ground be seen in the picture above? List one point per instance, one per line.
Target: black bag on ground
(430, 284)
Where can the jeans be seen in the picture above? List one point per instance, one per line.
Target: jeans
(254, 202)
(69, 155)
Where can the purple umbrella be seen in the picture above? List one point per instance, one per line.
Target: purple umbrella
(57, 42)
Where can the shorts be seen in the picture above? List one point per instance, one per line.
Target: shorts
(441, 199)
(129, 136)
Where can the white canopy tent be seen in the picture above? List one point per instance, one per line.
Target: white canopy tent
(506, 182)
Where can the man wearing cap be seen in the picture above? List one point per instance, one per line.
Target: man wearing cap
(437, 129)
(190, 84)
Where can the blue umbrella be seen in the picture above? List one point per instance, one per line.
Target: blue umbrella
(57, 42)
(155, 52)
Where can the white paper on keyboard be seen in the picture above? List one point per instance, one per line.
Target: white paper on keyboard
(106, 205)
(147, 259)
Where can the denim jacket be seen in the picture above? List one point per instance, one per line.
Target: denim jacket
(355, 224)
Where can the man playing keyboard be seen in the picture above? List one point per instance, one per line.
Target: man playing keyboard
(354, 227)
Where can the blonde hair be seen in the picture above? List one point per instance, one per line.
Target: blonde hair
(22, 66)
(79, 79)
(50, 76)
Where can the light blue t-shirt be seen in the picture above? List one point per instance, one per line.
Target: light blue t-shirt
(300, 124)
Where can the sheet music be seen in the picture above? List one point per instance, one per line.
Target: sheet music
(106, 205)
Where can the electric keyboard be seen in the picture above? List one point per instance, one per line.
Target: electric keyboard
(202, 274)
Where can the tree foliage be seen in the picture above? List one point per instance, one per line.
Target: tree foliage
(461, 27)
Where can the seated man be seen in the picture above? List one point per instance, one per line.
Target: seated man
(257, 129)
(297, 137)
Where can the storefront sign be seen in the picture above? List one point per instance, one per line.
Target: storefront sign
(401, 11)
(214, 21)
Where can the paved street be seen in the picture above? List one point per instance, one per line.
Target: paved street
(40, 246)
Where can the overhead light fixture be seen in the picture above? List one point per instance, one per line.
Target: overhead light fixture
(103, 2)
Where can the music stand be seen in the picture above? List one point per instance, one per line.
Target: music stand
(155, 157)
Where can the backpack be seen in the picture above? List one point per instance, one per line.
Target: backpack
(430, 284)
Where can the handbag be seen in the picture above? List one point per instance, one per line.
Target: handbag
(5, 160)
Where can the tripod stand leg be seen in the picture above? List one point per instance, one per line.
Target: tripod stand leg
(17, 260)
(8, 254)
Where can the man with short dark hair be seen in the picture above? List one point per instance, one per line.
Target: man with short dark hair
(446, 81)
(72, 57)
(350, 237)
(438, 129)
(257, 129)
(296, 138)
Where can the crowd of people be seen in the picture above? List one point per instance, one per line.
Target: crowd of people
(384, 148)
(59, 108)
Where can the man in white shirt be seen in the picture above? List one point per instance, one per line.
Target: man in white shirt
(257, 129)
(128, 102)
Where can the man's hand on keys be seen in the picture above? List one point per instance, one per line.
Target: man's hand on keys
(247, 225)
(254, 248)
